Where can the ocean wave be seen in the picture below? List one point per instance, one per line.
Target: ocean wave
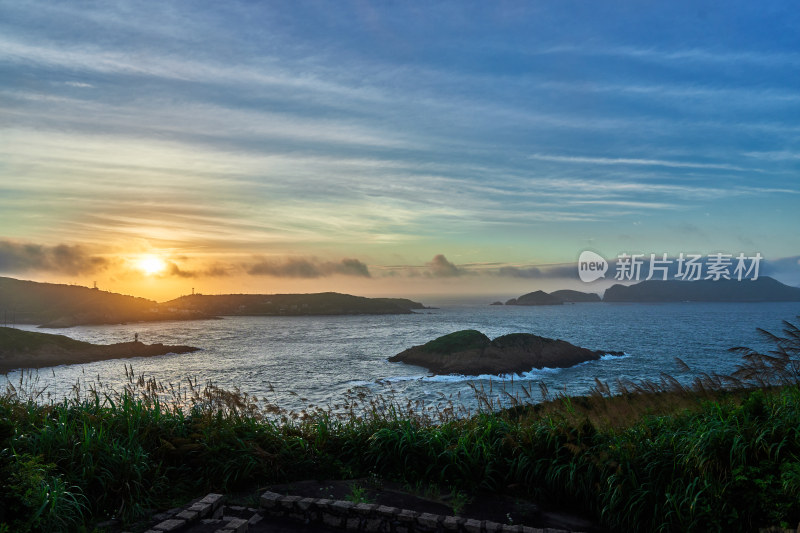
(610, 356)
(456, 378)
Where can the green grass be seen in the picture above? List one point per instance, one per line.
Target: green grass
(358, 494)
(656, 457)
(467, 339)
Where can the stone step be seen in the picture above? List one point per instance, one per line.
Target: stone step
(373, 518)
(207, 515)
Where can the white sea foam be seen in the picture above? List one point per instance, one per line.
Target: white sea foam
(320, 358)
(610, 356)
(456, 378)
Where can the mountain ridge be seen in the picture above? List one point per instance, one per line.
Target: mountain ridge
(54, 305)
(763, 289)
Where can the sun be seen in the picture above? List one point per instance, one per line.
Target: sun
(151, 265)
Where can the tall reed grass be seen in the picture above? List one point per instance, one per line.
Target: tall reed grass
(720, 453)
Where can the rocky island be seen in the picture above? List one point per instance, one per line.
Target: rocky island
(470, 352)
(535, 298)
(28, 349)
(554, 298)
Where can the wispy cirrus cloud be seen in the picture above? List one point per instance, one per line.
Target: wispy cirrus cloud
(241, 130)
(670, 55)
(631, 161)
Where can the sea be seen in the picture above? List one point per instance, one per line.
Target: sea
(299, 363)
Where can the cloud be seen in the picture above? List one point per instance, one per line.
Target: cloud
(61, 258)
(440, 267)
(308, 268)
(663, 55)
(352, 267)
(217, 270)
(274, 145)
(633, 161)
(558, 271)
(785, 269)
(79, 84)
(515, 272)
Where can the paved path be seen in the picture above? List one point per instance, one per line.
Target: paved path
(284, 514)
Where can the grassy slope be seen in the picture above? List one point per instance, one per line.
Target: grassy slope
(15, 340)
(292, 304)
(458, 341)
(703, 462)
(32, 302)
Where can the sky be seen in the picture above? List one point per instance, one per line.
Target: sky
(418, 149)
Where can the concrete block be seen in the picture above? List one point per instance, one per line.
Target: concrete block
(406, 516)
(365, 509)
(493, 527)
(214, 499)
(269, 500)
(428, 520)
(170, 525)
(388, 512)
(305, 503)
(188, 515)
(324, 503)
(288, 502)
(472, 526)
(202, 509)
(237, 525)
(342, 506)
(451, 523)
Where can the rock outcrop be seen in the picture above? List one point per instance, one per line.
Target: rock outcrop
(535, 298)
(26, 349)
(569, 296)
(470, 352)
(554, 298)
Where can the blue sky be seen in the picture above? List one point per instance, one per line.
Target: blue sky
(263, 145)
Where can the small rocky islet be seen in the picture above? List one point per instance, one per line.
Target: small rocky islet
(29, 349)
(471, 353)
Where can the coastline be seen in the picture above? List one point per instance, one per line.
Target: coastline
(52, 354)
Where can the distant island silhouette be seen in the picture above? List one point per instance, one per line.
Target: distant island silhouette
(764, 289)
(324, 303)
(554, 298)
(53, 305)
